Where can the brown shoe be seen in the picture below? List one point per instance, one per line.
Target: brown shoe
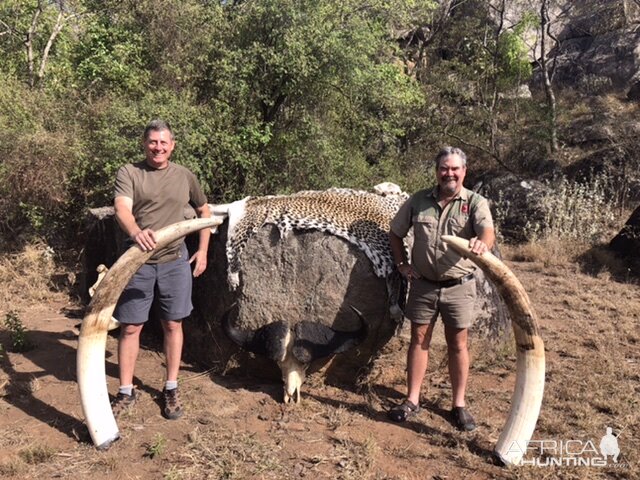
(462, 419)
(123, 403)
(172, 405)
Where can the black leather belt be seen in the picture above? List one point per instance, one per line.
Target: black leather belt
(454, 282)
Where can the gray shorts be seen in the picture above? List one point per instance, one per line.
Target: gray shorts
(455, 304)
(169, 282)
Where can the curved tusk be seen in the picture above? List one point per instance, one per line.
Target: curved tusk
(90, 360)
(102, 271)
(530, 361)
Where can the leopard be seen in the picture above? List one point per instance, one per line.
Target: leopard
(360, 217)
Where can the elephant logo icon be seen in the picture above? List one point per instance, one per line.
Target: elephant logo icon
(609, 445)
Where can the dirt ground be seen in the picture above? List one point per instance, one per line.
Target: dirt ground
(237, 427)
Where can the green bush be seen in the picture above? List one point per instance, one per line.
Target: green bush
(17, 333)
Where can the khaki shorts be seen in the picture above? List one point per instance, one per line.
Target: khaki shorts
(455, 304)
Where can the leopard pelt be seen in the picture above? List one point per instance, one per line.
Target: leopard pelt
(362, 218)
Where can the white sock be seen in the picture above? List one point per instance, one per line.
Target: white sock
(126, 389)
(171, 385)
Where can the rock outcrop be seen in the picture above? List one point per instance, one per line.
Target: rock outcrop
(626, 243)
(597, 47)
(517, 205)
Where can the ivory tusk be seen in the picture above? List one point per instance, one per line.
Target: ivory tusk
(530, 359)
(102, 271)
(90, 360)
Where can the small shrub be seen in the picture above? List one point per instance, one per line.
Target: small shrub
(13, 468)
(575, 211)
(37, 454)
(25, 276)
(157, 447)
(17, 333)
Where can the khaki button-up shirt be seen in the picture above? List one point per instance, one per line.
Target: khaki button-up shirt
(465, 216)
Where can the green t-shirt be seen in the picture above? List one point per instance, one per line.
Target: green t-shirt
(159, 198)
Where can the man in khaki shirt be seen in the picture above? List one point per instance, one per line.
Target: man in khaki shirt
(441, 282)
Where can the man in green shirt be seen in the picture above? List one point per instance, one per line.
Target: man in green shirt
(441, 282)
(150, 195)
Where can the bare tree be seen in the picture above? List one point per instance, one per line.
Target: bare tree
(37, 60)
(548, 70)
(489, 93)
(546, 60)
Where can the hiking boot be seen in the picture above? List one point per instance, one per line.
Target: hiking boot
(123, 403)
(462, 419)
(172, 405)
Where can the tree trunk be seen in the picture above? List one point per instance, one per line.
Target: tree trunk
(548, 87)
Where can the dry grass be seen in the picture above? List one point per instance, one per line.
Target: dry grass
(356, 458)
(571, 256)
(26, 276)
(229, 455)
(37, 454)
(28, 458)
(548, 252)
(589, 325)
(14, 468)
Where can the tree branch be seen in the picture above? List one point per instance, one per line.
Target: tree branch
(60, 21)
(480, 148)
(29, 42)
(8, 29)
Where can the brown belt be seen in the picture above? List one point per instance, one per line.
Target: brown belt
(452, 283)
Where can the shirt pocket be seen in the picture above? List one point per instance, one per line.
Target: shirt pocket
(458, 224)
(425, 228)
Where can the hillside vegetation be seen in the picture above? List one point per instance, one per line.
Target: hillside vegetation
(276, 96)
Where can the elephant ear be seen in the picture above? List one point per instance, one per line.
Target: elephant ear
(314, 340)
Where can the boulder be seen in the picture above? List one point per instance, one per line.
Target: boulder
(597, 51)
(308, 275)
(626, 243)
(516, 205)
(103, 244)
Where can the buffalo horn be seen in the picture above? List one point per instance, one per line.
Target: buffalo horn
(314, 340)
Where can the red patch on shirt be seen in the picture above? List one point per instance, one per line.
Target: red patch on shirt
(465, 208)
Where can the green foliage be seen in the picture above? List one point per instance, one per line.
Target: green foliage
(513, 62)
(41, 31)
(472, 81)
(157, 447)
(314, 94)
(17, 333)
(111, 58)
(266, 97)
(38, 146)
